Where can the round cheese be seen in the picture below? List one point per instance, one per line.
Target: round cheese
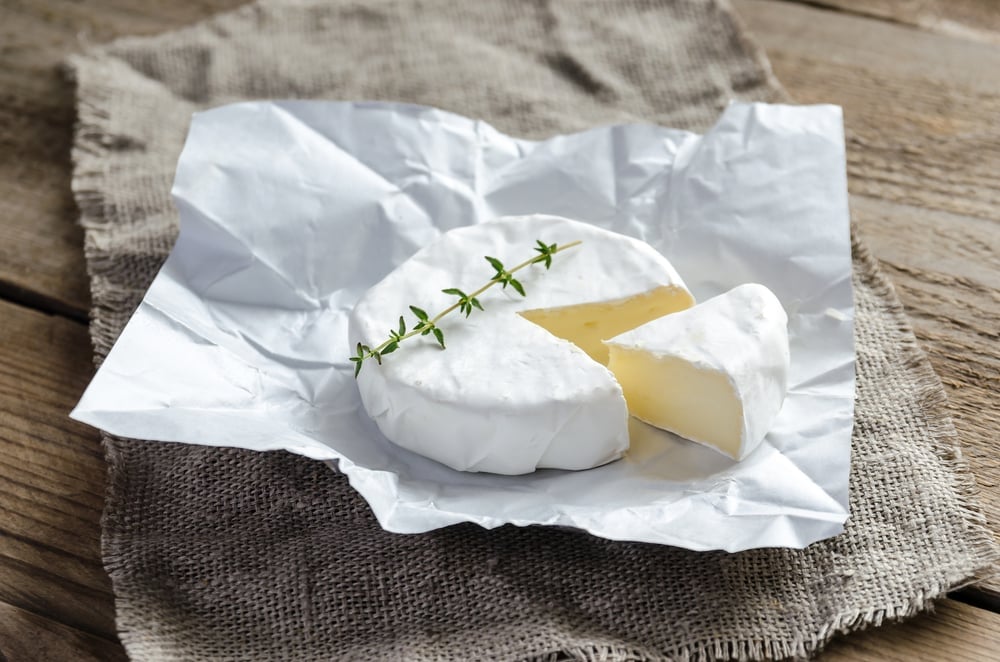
(521, 385)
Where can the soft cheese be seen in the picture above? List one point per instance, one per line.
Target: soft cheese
(521, 385)
(716, 373)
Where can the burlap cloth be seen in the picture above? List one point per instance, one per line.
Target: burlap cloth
(234, 555)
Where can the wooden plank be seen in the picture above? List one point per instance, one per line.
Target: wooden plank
(947, 273)
(923, 153)
(41, 258)
(956, 632)
(51, 479)
(28, 637)
(49, 559)
(978, 20)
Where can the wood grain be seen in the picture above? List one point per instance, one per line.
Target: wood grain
(955, 632)
(924, 152)
(55, 599)
(41, 246)
(923, 139)
(27, 637)
(978, 20)
(51, 475)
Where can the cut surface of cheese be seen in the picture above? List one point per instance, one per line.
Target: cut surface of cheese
(588, 325)
(521, 384)
(716, 373)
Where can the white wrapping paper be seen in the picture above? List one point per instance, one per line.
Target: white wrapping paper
(289, 211)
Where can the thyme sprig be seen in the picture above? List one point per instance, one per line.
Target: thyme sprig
(466, 303)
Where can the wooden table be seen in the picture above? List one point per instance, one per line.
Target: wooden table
(920, 84)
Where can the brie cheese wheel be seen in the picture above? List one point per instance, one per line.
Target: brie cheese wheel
(716, 373)
(522, 385)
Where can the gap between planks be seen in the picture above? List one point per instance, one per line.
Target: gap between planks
(27, 637)
(954, 631)
(41, 247)
(51, 477)
(78, 315)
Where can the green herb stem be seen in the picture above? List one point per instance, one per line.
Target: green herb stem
(429, 325)
(527, 263)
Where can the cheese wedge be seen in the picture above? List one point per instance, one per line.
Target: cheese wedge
(521, 385)
(716, 373)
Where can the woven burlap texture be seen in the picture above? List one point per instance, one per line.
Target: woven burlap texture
(232, 555)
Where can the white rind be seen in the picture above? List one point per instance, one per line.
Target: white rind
(506, 396)
(742, 334)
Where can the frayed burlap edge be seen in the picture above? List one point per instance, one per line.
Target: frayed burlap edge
(89, 153)
(934, 404)
(89, 157)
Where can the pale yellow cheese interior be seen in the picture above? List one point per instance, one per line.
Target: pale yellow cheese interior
(587, 324)
(672, 394)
